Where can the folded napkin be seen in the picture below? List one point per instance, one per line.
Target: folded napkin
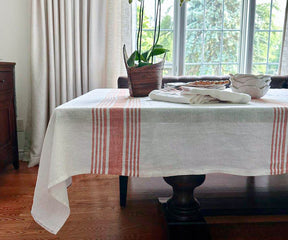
(192, 95)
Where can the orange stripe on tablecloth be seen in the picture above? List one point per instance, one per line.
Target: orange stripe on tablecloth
(272, 144)
(281, 110)
(117, 134)
(284, 140)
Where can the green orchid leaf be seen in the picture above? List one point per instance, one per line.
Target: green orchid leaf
(145, 55)
(132, 58)
(158, 46)
(141, 57)
(142, 64)
(158, 51)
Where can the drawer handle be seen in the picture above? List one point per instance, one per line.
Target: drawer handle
(2, 81)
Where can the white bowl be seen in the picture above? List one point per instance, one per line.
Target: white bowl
(250, 79)
(254, 85)
(254, 92)
(258, 84)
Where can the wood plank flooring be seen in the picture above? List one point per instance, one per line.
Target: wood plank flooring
(95, 211)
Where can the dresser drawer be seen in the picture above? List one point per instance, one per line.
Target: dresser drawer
(6, 80)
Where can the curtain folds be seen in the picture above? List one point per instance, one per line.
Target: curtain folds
(76, 46)
(283, 67)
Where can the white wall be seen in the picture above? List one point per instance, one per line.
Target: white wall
(15, 46)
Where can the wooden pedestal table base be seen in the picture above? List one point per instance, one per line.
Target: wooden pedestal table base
(182, 210)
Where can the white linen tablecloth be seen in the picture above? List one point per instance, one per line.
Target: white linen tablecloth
(107, 132)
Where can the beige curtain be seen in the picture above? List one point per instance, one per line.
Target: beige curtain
(76, 47)
(283, 67)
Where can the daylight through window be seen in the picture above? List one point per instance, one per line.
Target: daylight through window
(216, 37)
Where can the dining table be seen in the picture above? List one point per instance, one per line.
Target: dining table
(105, 131)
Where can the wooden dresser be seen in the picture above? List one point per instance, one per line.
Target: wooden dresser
(8, 130)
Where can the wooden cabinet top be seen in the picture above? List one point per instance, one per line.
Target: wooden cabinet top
(7, 66)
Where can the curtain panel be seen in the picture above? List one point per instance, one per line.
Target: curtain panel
(76, 47)
(283, 67)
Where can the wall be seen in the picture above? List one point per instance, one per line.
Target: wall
(15, 46)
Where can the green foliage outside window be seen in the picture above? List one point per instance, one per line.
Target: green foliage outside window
(212, 43)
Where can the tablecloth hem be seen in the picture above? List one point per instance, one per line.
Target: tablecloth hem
(239, 172)
(44, 226)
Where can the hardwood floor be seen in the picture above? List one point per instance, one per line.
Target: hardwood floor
(95, 211)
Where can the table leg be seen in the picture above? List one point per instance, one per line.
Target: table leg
(183, 206)
(182, 213)
(123, 182)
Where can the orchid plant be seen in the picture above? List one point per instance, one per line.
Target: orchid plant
(139, 58)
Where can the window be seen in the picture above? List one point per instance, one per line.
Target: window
(216, 37)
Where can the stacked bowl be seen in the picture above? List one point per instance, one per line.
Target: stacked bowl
(254, 85)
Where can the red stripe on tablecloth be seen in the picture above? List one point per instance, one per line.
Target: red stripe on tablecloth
(110, 148)
(284, 140)
(117, 134)
(127, 142)
(103, 162)
(131, 139)
(139, 134)
(281, 110)
(102, 109)
(276, 141)
(100, 139)
(128, 137)
(272, 144)
(93, 138)
(116, 141)
(97, 140)
(95, 128)
(135, 139)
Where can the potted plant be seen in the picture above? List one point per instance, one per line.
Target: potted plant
(143, 74)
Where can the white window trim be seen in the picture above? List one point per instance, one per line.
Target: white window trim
(247, 35)
(179, 38)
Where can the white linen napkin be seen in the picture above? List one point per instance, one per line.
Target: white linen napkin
(192, 95)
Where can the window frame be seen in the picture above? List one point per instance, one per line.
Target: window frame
(246, 39)
(247, 30)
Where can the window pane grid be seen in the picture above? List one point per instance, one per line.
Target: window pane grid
(213, 63)
(217, 39)
(161, 30)
(221, 44)
(213, 39)
(269, 36)
(218, 30)
(262, 30)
